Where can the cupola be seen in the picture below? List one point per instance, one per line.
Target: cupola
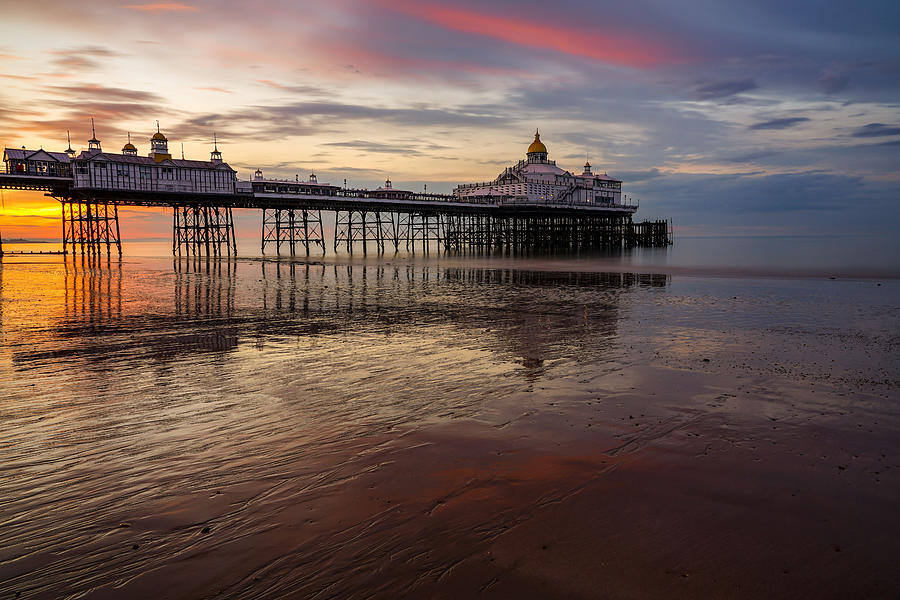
(129, 148)
(537, 150)
(159, 146)
(312, 178)
(258, 176)
(587, 168)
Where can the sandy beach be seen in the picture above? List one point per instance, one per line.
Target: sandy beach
(419, 429)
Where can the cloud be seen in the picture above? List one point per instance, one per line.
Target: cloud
(876, 130)
(636, 176)
(779, 123)
(602, 43)
(308, 90)
(94, 92)
(82, 58)
(723, 89)
(377, 147)
(811, 201)
(833, 80)
(749, 156)
(307, 118)
(163, 7)
(213, 89)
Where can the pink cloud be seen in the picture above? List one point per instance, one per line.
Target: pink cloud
(213, 89)
(604, 46)
(164, 7)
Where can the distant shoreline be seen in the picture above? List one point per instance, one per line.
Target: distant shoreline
(24, 241)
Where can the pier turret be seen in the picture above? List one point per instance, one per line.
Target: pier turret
(129, 149)
(159, 146)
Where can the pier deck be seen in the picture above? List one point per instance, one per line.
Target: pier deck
(203, 224)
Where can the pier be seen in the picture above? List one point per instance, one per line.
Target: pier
(516, 211)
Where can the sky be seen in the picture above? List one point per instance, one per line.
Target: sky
(729, 117)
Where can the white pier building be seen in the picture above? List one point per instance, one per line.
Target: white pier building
(537, 180)
(158, 172)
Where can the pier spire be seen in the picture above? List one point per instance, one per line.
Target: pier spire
(215, 156)
(69, 152)
(93, 143)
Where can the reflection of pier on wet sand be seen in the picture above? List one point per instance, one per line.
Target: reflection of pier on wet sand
(301, 299)
(273, 429)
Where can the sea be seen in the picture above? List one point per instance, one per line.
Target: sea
(720, 418)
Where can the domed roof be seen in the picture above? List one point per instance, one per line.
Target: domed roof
(159, 136)
(129, 146)
(537, 145)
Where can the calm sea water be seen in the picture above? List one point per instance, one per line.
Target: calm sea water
(446, 426)
(848, 255)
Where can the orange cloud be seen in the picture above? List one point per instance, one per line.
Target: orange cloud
(598, 45)
(164, 7)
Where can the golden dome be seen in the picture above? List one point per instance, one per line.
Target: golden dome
(129, 146)
(159, 136)
(537, 145)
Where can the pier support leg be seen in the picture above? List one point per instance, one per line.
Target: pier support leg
(203, 231)
(89, 226)
(291, 227)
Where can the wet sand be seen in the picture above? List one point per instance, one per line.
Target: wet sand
(430, 431)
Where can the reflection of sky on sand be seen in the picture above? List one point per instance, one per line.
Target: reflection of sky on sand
(345, 425)
(528, 317)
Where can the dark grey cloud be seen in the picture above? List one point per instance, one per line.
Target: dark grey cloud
(298, 89)
(876, 130)
(833, 80)
(307, 118)
(715, 90)
(812, 201)
(377, 147)
(779, 123)
(636, 176)
(749, 156)
(92, 92)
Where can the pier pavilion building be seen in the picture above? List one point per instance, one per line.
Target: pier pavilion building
(538, 180)
(158, 172)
